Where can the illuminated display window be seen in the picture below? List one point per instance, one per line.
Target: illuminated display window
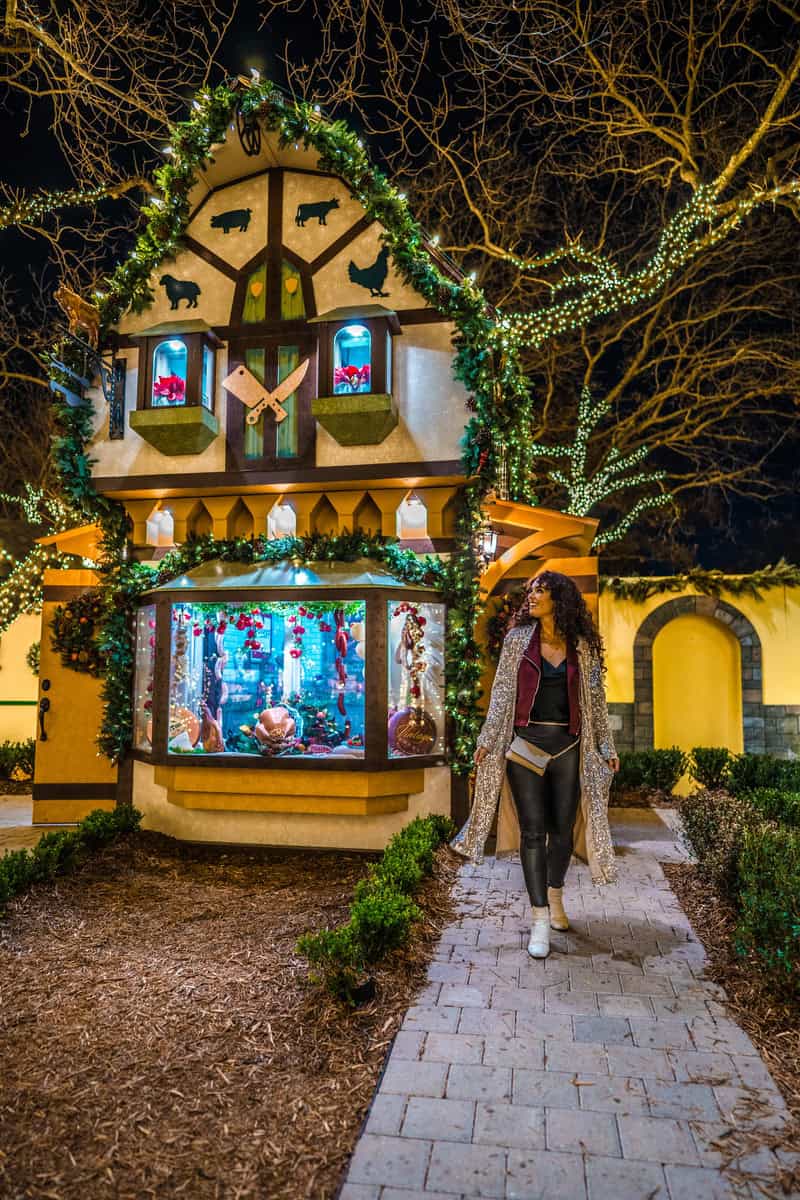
(352, 360)
(286, 662)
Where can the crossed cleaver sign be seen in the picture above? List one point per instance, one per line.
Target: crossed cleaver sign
(242, 384)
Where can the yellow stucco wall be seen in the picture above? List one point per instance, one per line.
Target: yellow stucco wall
(311, 829)
(18, 684)
(697, 698)
(776, 620)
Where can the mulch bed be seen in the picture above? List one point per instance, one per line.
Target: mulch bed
(772, 1024)
(643, 798)
(14, 787)
(159, 1035)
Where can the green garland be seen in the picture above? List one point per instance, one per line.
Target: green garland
(708, 583)
(74, 629)
(500, 400)
(122, 587)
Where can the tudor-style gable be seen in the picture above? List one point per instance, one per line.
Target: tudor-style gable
(280, 271)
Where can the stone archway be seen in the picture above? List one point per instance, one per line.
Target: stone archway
(753, 717)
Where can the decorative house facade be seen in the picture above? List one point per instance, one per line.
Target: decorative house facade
(284, 380)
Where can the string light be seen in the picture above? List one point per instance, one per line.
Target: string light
(21, 590)
(31, 209)
(604, 289)
(585, 490)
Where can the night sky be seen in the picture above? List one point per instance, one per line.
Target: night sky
(743, 535)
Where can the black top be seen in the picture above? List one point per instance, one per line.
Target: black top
(552, 698)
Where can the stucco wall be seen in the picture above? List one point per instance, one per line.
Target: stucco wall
(318, 830)
(18, 684)
(673, 678)
(776, 619)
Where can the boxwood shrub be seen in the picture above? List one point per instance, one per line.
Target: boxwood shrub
(658, 769)
(62, 850)
(382, 911)
(714, 825)
(17, 757)
(775, 805)
(769, 902)
(709, 765)
(747, 772)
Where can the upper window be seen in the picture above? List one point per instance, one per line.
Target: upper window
(177, 367)
(170, 366)
(352, 360)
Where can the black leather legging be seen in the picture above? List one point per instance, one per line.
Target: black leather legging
(546, 806)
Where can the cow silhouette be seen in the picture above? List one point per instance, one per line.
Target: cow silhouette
(180, 289)
(236, 218)
(321, 209)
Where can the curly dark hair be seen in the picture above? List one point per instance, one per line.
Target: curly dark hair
(572, 618)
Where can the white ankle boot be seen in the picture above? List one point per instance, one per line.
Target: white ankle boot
(558, 918)
(539, 942)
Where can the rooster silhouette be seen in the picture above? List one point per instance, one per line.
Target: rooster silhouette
(371, 277)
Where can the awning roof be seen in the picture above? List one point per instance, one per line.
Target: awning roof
(233, 576)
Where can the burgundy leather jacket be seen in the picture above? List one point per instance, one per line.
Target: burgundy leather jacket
(530, 673)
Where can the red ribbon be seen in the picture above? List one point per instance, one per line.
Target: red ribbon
(340, 641)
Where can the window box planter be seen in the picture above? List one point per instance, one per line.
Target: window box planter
(360, 419)
(176, 430)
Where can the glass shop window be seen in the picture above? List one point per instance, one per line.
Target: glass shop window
(268, 678)
(416, 679)
(207, 381)
(293, 306)
(170, 359)
(352, 360)
(255, 299)
(144, 664)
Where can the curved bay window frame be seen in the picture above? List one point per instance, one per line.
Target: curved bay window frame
(196, 343)
(376, 679)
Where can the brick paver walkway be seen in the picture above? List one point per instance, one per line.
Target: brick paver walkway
(606, 1071)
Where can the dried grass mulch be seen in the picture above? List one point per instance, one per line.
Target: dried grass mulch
(159, 1037)
(771, 1023)
(643, 798)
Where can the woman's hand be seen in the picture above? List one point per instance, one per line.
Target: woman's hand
(614, 763)
(480, 755)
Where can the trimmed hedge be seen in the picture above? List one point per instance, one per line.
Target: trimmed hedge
(709, 765)
(754, 863)
(775, 805)
(713, 825)
(62, 851)
(658, 769)
(750, 771)
(769, 902)
(17, 756)
(382, 911)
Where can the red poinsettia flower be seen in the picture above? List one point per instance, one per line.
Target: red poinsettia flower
(354, 377)
(170, 388)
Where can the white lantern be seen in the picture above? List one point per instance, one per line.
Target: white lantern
(166, 528)
(282, 521)
(412, 518)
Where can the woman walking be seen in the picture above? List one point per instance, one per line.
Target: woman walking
(546, 751)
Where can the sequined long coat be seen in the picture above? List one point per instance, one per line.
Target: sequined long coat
(592, 837)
